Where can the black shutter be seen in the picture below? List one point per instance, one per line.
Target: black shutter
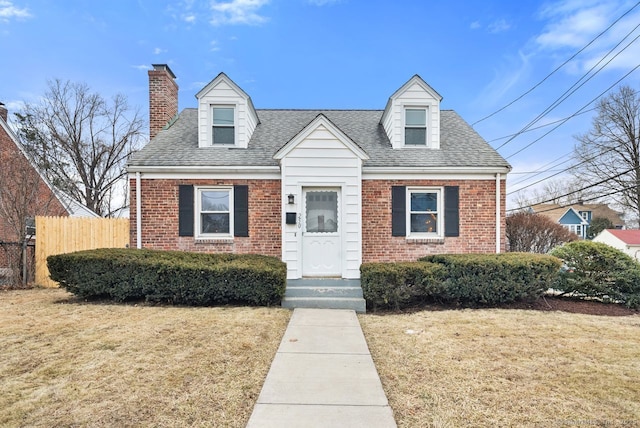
(185, 210)
(241, 211)
(398, 211)
(451, 211)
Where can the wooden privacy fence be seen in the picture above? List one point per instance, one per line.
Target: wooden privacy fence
(58, 235)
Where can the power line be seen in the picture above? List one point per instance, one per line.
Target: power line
(565, 170)
(588, 187)
(593, 198)
(566, 94)
(585, 106)
(537, 127)
(557, 68)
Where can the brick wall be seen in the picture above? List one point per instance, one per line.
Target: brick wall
(160, 218)
(163, 98)
(477, 221)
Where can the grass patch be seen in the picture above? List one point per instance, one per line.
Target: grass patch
(69, 363)
(493, 367)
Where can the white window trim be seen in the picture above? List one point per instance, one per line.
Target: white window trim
(440, 212)
(427, 109)
(198, 211)
(235, 124)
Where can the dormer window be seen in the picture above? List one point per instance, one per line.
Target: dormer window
(415, 126)
(223, 121)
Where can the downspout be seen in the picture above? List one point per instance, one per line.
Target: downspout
(138, 212)
(498, 214)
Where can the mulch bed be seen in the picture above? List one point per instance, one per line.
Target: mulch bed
(575, 306)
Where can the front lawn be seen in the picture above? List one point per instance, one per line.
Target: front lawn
(64, 362)
(507, 368)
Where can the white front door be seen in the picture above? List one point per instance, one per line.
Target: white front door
(321, 232)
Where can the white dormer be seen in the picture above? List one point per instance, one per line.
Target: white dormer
(226, 116)
(412, 116)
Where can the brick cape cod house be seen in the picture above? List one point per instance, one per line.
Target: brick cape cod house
(324, 190)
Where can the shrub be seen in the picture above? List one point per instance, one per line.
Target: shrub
(398, 285)
(463, 279)
(492, 279)
(596, 270)
(535, 233)
(171, 276)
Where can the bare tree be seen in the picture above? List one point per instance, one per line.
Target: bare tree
(23, 196)
(535, 233)
(611, 149)
(81, 141)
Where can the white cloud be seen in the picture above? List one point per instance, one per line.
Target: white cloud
(475, 25)
(213, 46)
(189, 18)
(237, 12)
(141, 67)
(322, 2)
(572, 24)
(8, 11)
(158, 51)
(499, 26)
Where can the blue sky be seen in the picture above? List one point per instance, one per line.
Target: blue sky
(337, 54)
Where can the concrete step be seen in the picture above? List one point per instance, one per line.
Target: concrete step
(324, 293)
(323, 282)
(356, 304)
(353, 292)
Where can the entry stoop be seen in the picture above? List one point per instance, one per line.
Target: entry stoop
(324, 293)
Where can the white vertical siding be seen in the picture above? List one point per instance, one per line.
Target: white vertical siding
(322, 160)
(413, 96)
(224, 94)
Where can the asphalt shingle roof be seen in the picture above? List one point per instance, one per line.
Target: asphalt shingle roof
(460, 145)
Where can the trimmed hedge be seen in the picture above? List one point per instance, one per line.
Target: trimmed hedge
(596, 270)
(492, 279)
(398, 285)
(173, 277)
(459, 279)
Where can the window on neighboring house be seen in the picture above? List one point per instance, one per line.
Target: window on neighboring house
(223, 125)
(424, 212)
(214, 207)
(415, 127)
(584, 215)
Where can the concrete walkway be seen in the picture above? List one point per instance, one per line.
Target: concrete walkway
(322, 376)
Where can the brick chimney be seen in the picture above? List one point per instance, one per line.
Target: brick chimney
(163, 97)
(4, 113)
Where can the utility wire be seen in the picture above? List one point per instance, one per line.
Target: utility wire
(593, 198)
(572, 90)
(536, 128)
(565, 170)
(557, 68)
(587, 187)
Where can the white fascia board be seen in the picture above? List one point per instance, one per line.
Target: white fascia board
(461, 173)
(206, 172)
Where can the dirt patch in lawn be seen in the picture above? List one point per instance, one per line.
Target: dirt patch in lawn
(66, 362)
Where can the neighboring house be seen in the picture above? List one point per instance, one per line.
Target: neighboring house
(627, 240)
(577, 217)
(324, 190)
(24, 194)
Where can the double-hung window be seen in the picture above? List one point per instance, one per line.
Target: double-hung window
(214, 212)
(415, 126)
(424, 212)
(223, 120)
